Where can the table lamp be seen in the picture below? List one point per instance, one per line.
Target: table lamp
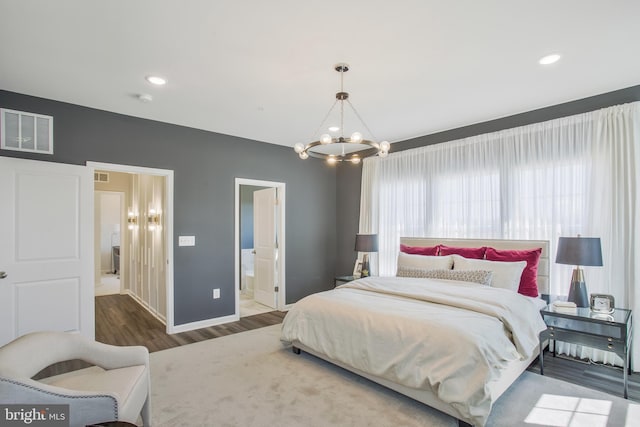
(579, 251)
(366, 243)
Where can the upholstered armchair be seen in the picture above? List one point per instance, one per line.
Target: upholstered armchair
(116, 388)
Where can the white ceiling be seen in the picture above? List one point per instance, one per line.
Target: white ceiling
(264, 69)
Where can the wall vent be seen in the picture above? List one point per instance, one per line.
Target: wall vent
(101, 177)
(28, 132)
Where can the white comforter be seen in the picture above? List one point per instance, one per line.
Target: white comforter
(451, 337)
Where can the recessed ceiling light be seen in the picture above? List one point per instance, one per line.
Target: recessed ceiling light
(156, 80)
(549, 59)
(334, 129)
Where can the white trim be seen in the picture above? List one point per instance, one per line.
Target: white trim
(205, 323)
(167, 230)
(145, 305)
(281, 187)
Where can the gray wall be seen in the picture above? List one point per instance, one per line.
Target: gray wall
(348, 194)
(205, 165)
(323, 203)
(349, 177)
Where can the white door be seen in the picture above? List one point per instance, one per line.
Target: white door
(266, 247)
(46, 248)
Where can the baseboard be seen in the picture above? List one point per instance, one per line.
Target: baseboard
(146, 306)
(203, 324)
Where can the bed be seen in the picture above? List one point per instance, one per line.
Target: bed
(454, 345)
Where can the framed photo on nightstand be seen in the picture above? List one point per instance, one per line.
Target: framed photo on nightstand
(357, 269)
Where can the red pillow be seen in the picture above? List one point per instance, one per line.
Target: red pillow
(419, 250)
(528, 280)
(475, 253)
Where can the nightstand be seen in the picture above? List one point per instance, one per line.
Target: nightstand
(609, 332)
(343, 279)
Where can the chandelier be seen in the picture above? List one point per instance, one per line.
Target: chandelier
(343, 153)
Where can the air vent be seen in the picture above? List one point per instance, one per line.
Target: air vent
(101, 177)
(28, 132)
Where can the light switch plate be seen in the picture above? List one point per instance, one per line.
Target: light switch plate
(186, 240)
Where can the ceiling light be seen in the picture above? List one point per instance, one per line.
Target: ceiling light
(158, 81)
(304, 151)
(549, 59)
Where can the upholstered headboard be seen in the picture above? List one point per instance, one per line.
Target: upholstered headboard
(543, 266)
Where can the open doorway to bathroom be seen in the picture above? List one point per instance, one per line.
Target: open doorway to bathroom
(248, 303)
(109, 208)
(260, 284)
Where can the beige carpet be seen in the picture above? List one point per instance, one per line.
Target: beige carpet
(250, 379)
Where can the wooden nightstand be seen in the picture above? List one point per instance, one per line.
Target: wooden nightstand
(609, 332)
(343, 279)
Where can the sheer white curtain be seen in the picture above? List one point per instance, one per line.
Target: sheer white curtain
(575, 175)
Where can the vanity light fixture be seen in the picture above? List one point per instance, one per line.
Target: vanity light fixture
(153, 220)
(132, 220)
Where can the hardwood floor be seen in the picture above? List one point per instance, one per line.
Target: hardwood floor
(120, 320)
(596, 376)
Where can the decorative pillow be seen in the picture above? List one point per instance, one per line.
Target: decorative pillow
(419, 250)
(506, 275)
(424, 261)
(475, 253)
(528, 281)
(475, 276)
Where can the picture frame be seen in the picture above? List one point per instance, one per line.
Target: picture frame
(357, 269)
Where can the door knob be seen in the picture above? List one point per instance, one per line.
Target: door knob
(3, 274)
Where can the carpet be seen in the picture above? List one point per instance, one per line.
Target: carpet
(251, 380)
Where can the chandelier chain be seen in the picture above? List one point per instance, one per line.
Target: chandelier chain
(342, 117)
(342, 106)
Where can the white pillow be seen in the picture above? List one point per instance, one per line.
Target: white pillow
(426, 262)
(506, 275)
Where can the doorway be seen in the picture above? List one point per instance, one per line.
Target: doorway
(146, 242)
(249, 277)
(109, 210)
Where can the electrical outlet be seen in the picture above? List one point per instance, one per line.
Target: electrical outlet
(216, 293)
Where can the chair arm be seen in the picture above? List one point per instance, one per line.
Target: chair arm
(29, 354)
(112, 357)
